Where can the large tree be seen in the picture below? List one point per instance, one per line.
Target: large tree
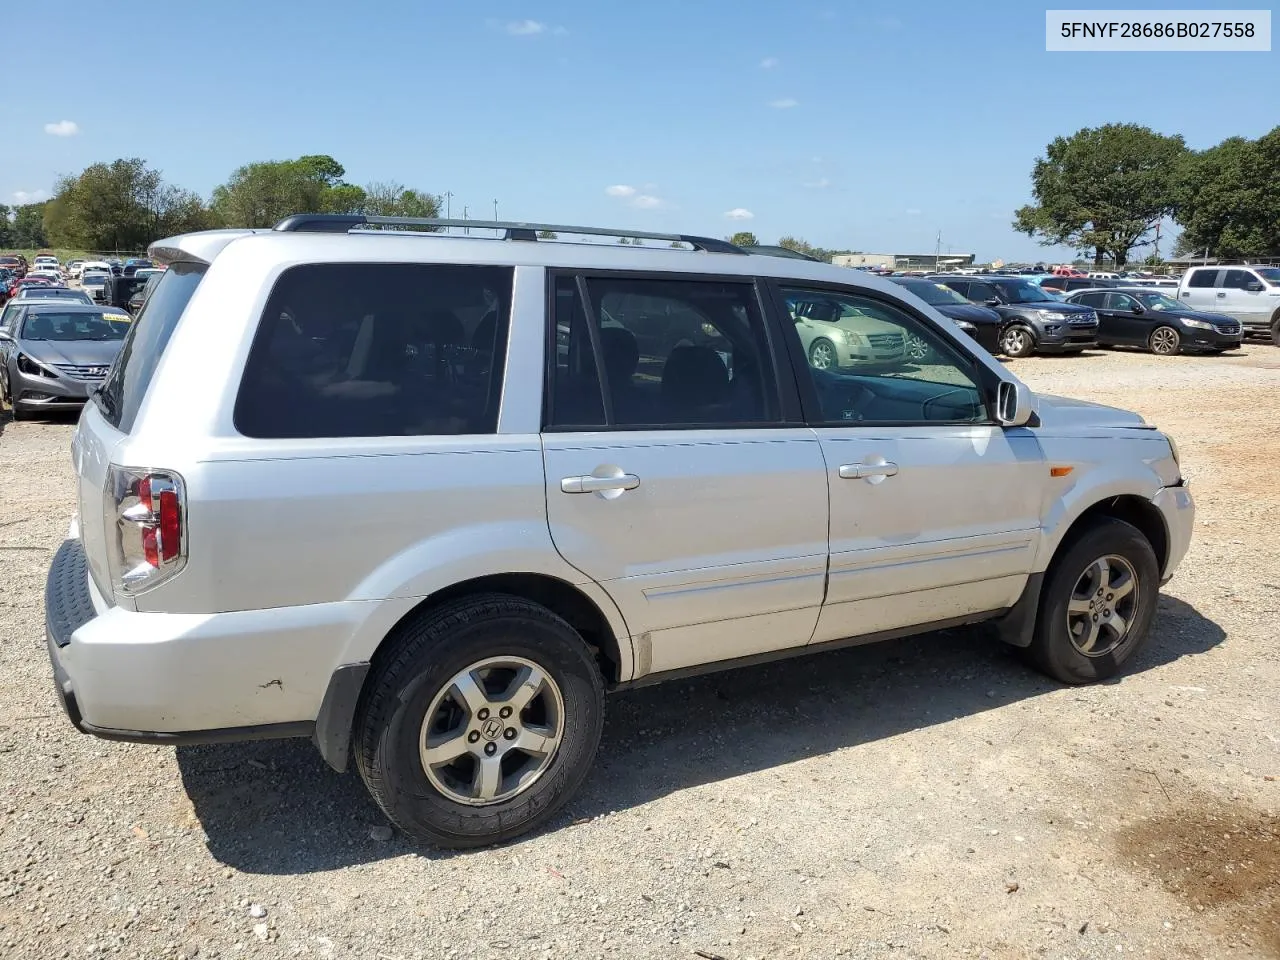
(5, 226)
(122, 205)
(1228, 198)
(1103, 189)
(391, 199)
(27, 230)
(744, 238)
(264, 193)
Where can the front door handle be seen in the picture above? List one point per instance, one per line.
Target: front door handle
(1222, 293)
(627, 481)
(865, 471)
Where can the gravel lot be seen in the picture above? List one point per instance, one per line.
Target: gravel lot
(923, 798)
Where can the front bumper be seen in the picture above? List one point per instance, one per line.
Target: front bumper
(31, 392)
(1179, 512)
(188, 678)
(1068, 338)
(1210, 339)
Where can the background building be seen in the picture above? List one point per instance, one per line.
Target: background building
(904, 261)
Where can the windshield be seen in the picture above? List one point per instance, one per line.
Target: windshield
(1158, 301)
(936, 294)
(1269, 274)
(63, 327)
(1021, 291)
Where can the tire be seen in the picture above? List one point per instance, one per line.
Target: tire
(822, 354)
(490, 640)
(1066, 644)
(1164, 341)
(1017, 341)
(1275, 330)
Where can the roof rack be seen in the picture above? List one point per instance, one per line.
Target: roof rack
(512, 230)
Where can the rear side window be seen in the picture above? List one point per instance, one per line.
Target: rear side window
(1202, 278)
(369, 350)
(126, 386)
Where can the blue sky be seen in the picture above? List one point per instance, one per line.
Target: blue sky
(855, 125)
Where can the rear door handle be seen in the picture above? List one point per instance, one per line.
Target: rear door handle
(1222, 293)
(627, 481)
(865, 471)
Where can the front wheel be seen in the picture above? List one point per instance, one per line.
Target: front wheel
(1275, 329)
(480, 722)
(1017, 341)
(1098, 602)
(822, 355)
(1164, 341)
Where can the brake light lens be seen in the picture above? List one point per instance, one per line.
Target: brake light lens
(149, 507)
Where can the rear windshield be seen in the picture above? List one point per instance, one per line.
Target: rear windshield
(122, 393)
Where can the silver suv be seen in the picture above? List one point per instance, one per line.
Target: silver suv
(425, 498)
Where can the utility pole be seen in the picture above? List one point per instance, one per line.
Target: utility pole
(937, 253)
(1156, 251)
(466, 230)
(448, 204)
(495, 210)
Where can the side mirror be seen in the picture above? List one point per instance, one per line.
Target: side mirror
(1138, 308)
(6, 335)
(1253, 286)
(1015, 404)
(993, 301)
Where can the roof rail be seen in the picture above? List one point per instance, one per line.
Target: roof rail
(512, 230)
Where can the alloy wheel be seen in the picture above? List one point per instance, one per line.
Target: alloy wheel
(1015, 341)
(822, 356)
(1164, 341)
(492, 731)
(1103, 605)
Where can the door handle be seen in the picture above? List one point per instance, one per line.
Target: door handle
(1222, 293)
(865, 471)
(627, 481)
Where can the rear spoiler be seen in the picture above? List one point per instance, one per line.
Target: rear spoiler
(199, 247)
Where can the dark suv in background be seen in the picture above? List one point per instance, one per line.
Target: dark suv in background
(981, 323)
(1034, 321)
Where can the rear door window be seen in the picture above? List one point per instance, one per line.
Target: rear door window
(125, 387)
(1202, 278)
(371, 350)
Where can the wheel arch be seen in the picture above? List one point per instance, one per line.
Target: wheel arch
(610, 649)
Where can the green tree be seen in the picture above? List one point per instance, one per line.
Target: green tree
(1103, 189)
(5, 227)
(547, 235)
(744, 238)
(123, 205)
(264, 193)
(808, 249)
(1228, 198)
(391, 199)
(27, 230)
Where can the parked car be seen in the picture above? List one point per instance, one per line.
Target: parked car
(1142, 317)
(48, 291)
(53, 353)
(73, 268)
(7, 277)
(52, 274)
(599, 517)
(983, 323)
(1249, 294)
(92, 281)
(28, 281)
(16, 265)
(45, 260)
(1034, 321)
(132, 266)
(836, 333)
(1068, 285)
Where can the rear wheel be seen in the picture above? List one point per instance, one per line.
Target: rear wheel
(1017, 341)
(481, 720)
(1275, 329)
(1098, 602)
(1164, 341)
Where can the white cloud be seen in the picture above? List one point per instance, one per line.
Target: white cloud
(820, 184)
(740, 213)
(768, 63)
(63, 128)
(913, 211)
(525, 28)
(646, 202)
(620, 190)
(28, 196)
(784, 103)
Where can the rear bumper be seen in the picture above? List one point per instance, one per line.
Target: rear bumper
(188, 678)
(1179, 511)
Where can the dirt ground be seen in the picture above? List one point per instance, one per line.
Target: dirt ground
(922, 798)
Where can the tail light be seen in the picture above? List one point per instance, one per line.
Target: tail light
(149, 509)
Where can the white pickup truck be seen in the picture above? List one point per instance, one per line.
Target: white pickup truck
(1250, 294)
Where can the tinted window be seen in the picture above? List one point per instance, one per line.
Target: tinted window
(1239, 279)
(1202, 278)
(888, 366)
(365, 350)
(673, 353)
(10, 315)
(1089, 299)
(981, 292)
(122, 392)
(1120, 301)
